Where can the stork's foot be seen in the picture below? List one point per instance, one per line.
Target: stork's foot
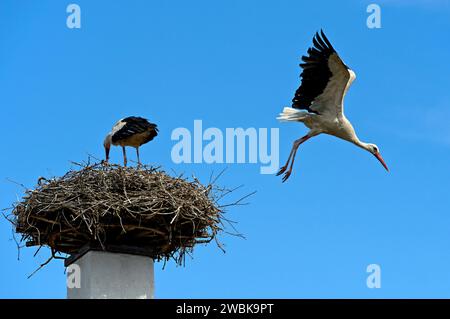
(282, 170)
(104, 162)
(286, 175)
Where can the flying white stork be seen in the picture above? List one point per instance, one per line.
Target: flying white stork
(130, 131)
(318, 102)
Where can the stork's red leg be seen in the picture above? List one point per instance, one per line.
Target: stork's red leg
(137, 153)
(124, 156)
(297, 143)
(284, 168)
(294, 148)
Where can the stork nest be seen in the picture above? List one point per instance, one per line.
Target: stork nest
(112, 206)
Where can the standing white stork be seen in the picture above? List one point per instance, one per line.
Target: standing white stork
(130, 131)
(318, 102)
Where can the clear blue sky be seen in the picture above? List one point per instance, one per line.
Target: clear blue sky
(235, 64)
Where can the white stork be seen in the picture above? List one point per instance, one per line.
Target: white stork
(318, 102)
(130, 131)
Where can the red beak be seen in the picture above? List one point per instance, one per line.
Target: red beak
(378, 156)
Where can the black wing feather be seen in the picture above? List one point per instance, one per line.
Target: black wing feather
(315, 74)
(135, 125)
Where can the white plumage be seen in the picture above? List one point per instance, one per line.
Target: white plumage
(318, 102)
(131, 131)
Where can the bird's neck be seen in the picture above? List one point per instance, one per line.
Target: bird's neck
(360, 143)
(350, 135)
(107, 141)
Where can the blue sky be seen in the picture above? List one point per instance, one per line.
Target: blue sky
(235, 64)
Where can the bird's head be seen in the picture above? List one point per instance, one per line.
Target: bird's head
(107, 145)
(372, 148)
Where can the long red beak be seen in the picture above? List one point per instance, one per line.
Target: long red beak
(378, 156)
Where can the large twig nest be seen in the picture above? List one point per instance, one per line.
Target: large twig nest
(115, 206)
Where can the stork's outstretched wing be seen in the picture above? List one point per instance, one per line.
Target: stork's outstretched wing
(325, 79)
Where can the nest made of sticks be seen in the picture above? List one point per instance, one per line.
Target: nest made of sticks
(111, 206)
